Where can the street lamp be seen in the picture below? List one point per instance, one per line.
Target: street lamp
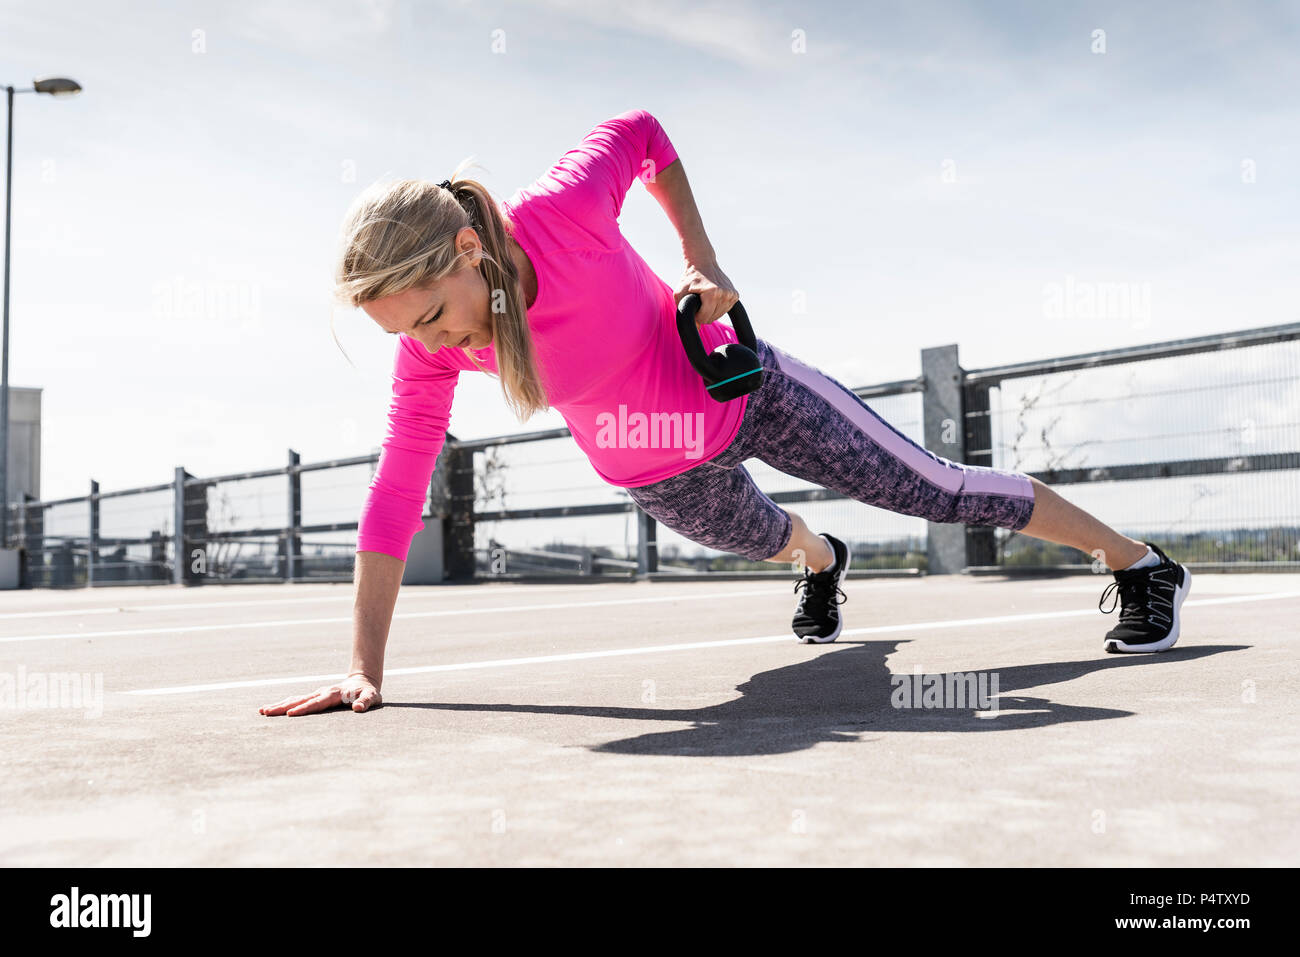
(55, 86)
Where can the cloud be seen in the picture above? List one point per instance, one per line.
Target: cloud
(318, 26)
(746, 35)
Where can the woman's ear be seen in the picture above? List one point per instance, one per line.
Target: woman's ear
(467, 239)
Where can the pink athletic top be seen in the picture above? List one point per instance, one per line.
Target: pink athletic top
(604, 333)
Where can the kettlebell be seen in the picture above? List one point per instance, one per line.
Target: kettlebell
(732, 369)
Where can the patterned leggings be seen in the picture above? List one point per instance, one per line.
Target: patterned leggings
(806, 424)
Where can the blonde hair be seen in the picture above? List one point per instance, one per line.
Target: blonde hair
(402, 234)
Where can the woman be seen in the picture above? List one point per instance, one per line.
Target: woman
(545, 293)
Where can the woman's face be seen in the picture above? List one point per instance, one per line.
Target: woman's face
(453, 311)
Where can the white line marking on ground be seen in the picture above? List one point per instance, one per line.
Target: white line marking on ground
(441, 591)
(407, 595)
(487, 610)
(654, 649)
(52, 614)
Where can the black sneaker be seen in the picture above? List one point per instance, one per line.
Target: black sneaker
(817, 618)
(1151, 597)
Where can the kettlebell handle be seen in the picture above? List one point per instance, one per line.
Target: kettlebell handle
(689, 333)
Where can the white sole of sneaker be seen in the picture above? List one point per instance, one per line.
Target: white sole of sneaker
(1115, 646)
(839, 619)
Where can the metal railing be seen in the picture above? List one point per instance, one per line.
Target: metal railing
(474, 537)
(1085, 422)
(1201, 435)
(214, 545)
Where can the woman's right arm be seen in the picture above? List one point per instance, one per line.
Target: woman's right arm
(378, 579)
(418, 418)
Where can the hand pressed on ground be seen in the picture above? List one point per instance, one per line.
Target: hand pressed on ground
(357, 691)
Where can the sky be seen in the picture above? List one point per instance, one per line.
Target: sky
(876, 179)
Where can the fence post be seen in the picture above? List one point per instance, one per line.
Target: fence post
(292, 540)
(34, 531)
(196, 530)
(647, 550)
(945, 436)
(92, 550)
(981, 540)
(456, 496)
(191, 526)
(22, 540)
(178, 526)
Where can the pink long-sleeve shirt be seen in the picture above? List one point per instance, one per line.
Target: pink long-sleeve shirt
(604, 333)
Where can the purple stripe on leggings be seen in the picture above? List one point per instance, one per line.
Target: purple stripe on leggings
(812, 427)
(949, 477)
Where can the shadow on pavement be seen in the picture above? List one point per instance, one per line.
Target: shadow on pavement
(842, 694)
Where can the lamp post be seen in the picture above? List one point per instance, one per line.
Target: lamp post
(55, 86)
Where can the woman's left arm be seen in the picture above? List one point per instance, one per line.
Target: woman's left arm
(703, 276)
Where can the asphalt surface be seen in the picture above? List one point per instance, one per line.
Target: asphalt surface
(651, 724)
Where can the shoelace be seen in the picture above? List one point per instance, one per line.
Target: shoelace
(1139, 601)
(816, 597)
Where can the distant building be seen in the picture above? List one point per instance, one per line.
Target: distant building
(24, 443)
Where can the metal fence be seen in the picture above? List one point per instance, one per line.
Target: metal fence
(243, 527)
(1193, 444)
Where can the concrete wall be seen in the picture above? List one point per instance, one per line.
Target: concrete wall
(24, 442)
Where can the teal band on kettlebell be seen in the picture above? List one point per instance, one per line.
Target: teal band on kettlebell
(734, 378)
